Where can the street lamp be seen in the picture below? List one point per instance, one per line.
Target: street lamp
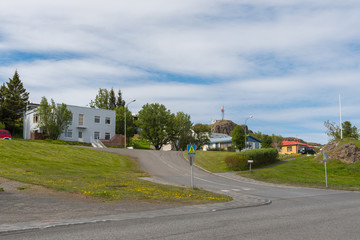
(125, 119)
(251, 116)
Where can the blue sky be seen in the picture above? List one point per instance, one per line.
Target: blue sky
(283, 61)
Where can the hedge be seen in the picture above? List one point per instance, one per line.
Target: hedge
(261, 157)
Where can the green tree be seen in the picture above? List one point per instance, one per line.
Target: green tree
(238, 137)
(13, 100)
(350, 131)
(120, 123)
(334, 131)
(201, 134)
(112, 99)
(101, 99)
(266, 141)
(154, 124)
(105, 99)
(119, 100)
(277, 141)
(180, 133)
(53, 119)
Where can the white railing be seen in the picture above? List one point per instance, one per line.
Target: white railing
(96, 143)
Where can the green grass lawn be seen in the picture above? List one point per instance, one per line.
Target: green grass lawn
(88, 172)
(212, 161)
(305, 171)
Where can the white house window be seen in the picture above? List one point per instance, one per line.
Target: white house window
(81, 119)
(107, 136)
(97, 119)
(96, 135)
(35, 118)
(107, 120)
(68, 133)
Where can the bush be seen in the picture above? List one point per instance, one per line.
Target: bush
(236, 162)
(261, 157)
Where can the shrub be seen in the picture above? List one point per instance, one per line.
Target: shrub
(236, 162)
(262, 156)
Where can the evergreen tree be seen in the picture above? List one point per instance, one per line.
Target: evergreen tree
(14, 99)
(119, 100)
(112, 99)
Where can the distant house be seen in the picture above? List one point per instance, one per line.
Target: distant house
(218, 141)
(253, 143)
(224, 141)
(86, 124)
(291, 147)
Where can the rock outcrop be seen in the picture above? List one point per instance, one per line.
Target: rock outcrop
(347, 153)
(223, 126)
(226, 127)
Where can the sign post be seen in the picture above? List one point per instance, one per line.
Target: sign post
(325, 160)
(250, 162)
(191, 151)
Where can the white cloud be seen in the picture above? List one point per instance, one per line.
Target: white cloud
(285, 61)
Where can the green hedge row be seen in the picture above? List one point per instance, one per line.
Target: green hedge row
(261, 157)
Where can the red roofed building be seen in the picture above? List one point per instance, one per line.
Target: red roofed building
(290, 147)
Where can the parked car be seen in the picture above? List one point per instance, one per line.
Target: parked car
(5, 134)
(306, 150)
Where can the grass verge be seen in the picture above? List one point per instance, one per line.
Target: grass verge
(88, 172)
(305, 171)
(212, 161)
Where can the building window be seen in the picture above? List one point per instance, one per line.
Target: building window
(71, 118)
(96, 135)
(80, 134)
(68, 133)
(97, 119)
(107, 120)
(107, 136)
(35, 118)
(81, 119)
(289, 149)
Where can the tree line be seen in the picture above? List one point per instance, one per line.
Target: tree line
(154, 123)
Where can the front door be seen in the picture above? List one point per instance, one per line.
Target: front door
(81, 136)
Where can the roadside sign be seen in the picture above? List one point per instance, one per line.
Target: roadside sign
(325, 157)
(250, 161)
(191, 149)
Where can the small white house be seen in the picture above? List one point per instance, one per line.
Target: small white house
(224, 141)
(86, 124)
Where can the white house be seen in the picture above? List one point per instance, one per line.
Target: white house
(86, 124)
(224, 141)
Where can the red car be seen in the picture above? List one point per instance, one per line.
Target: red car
(5, 134)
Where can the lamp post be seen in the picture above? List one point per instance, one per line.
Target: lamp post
(251, 116)
(125, 119)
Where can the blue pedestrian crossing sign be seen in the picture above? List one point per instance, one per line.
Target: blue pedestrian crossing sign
(191, 149)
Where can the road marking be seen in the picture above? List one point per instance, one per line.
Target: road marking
(225, 190)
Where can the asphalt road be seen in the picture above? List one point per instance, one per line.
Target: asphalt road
(294, 213)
